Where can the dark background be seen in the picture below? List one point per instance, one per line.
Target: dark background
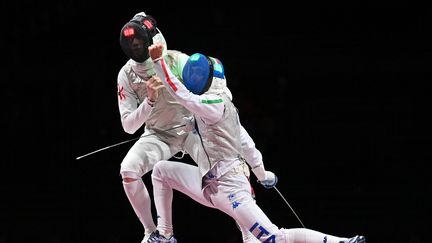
(336, 98)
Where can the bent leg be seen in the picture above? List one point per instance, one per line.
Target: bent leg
(169, 175)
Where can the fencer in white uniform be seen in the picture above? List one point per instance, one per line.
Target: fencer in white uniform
(143, 100)
(219, 180)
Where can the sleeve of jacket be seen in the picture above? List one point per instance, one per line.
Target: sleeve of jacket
(210, 112)
(132, 114)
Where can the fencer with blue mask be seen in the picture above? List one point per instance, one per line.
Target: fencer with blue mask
(218, 181)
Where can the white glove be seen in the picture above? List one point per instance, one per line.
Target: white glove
(270, 181)
(266, 178)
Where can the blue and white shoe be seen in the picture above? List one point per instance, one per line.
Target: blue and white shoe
(147, 237)
(155, 237)
(357, 239)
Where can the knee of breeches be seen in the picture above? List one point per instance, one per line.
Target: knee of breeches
(129, 176)
(158, 168)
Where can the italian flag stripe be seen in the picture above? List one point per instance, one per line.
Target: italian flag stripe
(211, 101)
(167, 76)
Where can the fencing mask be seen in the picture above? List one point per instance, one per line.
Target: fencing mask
(199, 71)
(137, 35)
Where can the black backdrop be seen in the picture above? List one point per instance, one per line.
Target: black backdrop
(335, 97)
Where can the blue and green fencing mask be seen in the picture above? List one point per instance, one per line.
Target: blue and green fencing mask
(199, 71)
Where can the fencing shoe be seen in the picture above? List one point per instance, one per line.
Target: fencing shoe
(357, 239)
(147, 237)
(155, 237)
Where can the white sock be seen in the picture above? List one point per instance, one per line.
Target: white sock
(141, 203)
(301, 235)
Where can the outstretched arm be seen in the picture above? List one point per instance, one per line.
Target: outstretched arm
(209, 107)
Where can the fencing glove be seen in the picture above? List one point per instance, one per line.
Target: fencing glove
(266, 178)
